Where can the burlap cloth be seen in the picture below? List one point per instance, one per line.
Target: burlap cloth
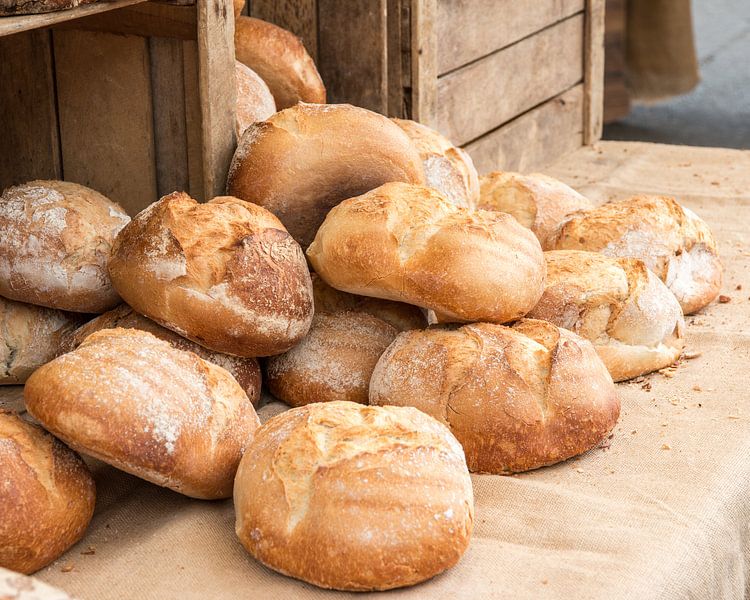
(661, 510)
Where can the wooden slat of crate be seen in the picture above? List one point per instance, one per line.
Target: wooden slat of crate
(593, 72)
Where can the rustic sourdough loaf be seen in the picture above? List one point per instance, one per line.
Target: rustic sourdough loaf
(254, 99)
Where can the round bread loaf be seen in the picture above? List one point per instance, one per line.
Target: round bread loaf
(280, 58)
(673, 241)
(33, 7)
(447, 168)
(254, 99)
(537, 201)
(55, 239)
(303, 161)
(633, 320)
(409, 243)
(46, 496)
(516, 398)
(134, 401)
(238, 5)
(333, 362)
(225, 274)
(354, 497)
(29, 337)
(245, 370)
(14, 586)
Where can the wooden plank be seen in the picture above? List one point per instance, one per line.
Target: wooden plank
(352, 52)
(298, 16)
(534, 139)
(106, 122)
(470, 29)
(29, 145)
(193, 124)
(424, 65)
(487, 93)
(395, 75)
(616, 95)
(594, 72)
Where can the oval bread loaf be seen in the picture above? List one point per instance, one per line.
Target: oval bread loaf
(254, 99)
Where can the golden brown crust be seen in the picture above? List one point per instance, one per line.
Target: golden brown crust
(237, 6)
(354, 497)
(280, 58)
(516, 398)
(633, 320)
(408, 243)
(225, 274)
(672, 241)
(305, 160)
(254, 99)
(46, 497)
(135, 402)
(14, 586)
(55, 239)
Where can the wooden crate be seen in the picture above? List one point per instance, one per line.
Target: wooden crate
(134, 99)
(518, 83)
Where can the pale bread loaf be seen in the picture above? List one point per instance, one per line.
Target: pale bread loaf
(254, 99)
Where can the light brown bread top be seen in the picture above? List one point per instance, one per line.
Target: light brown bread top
(46, 497)
(671, 240)
(245, 370)
(633, 320)
(134, 401)
(14, 586)
(408, 243)
(354, 497)
(280, 58)
(254, 99)
(516, 398)
(303, 161)
(225, 274)
(55, 239)
(447, 168)
(537, 201)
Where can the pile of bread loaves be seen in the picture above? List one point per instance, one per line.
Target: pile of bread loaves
(343, 235)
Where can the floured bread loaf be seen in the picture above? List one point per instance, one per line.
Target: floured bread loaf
(537, 201)
(447, 168)
(410, 244)
(254, 99)
(225, 274)
(134, 401)
(55, 239)
(303, 161)
(516, 398)
(245, 370)
(633, 320)
(354, 497)
(46, 496)
(673, 241)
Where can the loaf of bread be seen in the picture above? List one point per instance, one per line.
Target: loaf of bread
(633, 320)
(14, 586)
(673, 241)
(55, 239)
(254, 99)
(303, 161)
(134, 401)
(46, 496)
(516, 398)
(29, 337)
(537, 201)
(237, 6)
(280, 58)
(410, 244)
(225, 274)
(447, 168)
(354, 497)
(245, 370)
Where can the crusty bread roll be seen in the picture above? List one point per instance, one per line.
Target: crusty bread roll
(447, 168)
(245, 370)
(46, 496)
(29, 337)
(303, 161)
(14, 586)
(633, 320)
(409, 243)
(537, 201)
(673, 241)
(55, 239)
(333, 362)
(225, 274)
(354, 497)
(280, 58)
(516, 398)
(254, 99)
(401, 316)
(135, 402)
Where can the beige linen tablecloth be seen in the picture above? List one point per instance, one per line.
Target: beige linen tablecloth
(661, 510)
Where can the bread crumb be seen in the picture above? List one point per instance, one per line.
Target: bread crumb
(67, 568)
(665, 424)
(89, 551)
(733, 417)
(697, 388)
(634, 432)
(739, 287)
(646, 386)
(666, 447)
(691, 354)
(544, 582)
(580, 470)
(724, 299)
